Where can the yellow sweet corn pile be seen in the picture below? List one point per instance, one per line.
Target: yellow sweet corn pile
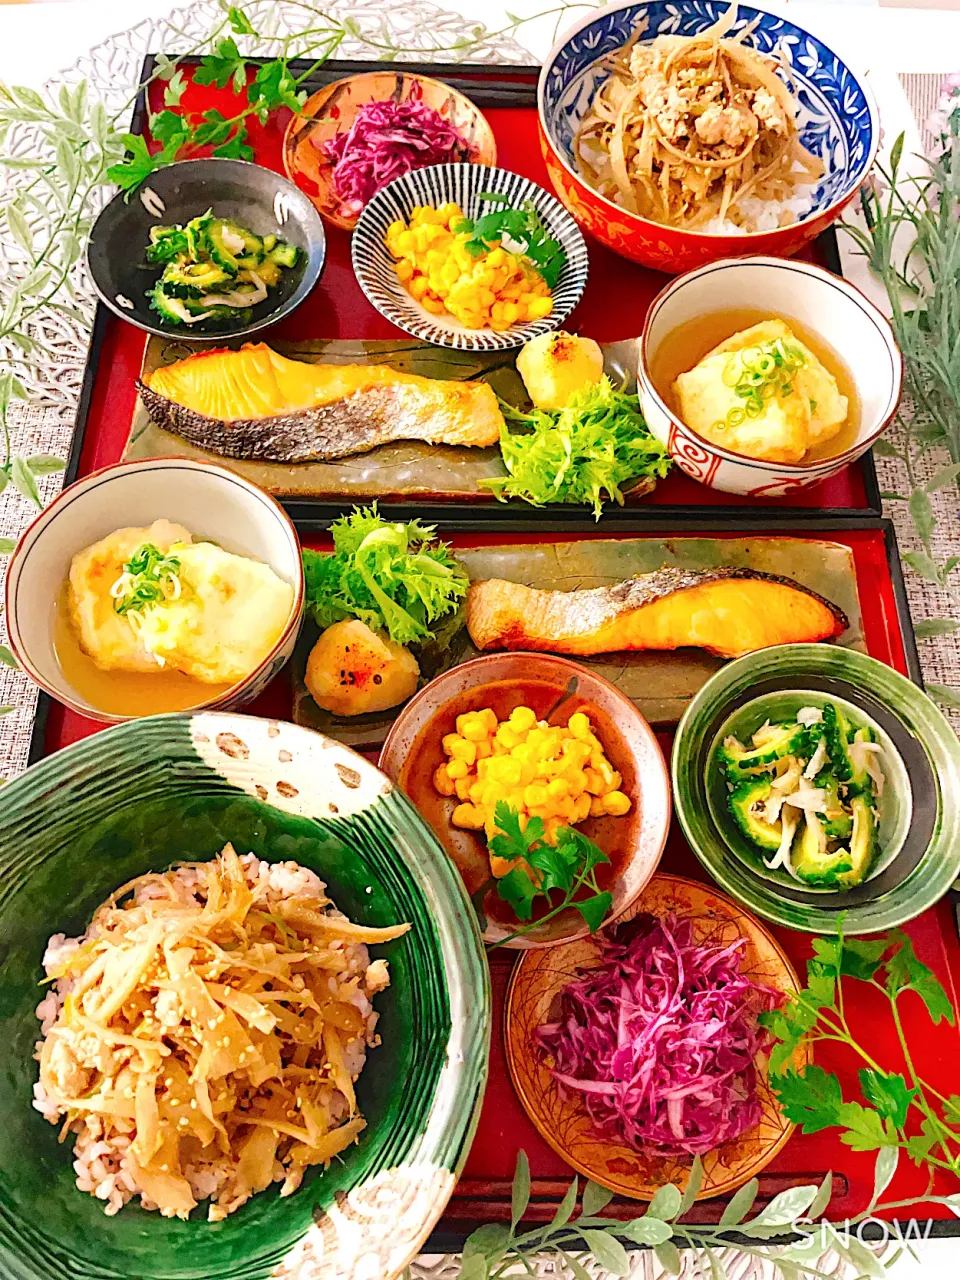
(560, 774)
(494, 291)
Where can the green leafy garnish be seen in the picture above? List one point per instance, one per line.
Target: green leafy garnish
(150, 577)
(891, 1101)
(525, 229)
(758, 374)
(566, 867)
(585, 452)
(394, 577)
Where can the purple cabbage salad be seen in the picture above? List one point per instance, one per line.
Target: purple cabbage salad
(660, 1039)
(386, 140)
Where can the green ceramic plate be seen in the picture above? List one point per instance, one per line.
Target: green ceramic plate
(143, 795)
(921, 817)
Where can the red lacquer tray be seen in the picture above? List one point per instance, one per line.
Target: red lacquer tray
(483, 1193)
(613, 307)
(614, 304)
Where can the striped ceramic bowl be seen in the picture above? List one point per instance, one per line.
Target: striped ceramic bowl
(462, 184)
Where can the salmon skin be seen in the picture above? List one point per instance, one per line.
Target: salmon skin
(258, 405)
(728, 612)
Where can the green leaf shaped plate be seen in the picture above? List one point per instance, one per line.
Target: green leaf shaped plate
(153, 792)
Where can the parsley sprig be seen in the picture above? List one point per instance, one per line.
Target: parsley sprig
(261, 87)
(524, 227)
(565, 868)
(890, 1099)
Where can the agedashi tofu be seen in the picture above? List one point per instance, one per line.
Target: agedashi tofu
(145, 599)
(762, 393)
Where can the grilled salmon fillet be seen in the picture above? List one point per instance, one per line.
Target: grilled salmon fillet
(728, 612)
(258, 405)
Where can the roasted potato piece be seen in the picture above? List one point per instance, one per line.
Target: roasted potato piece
(352, 670)
(554, 366)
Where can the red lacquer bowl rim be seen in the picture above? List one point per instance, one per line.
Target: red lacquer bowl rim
(56, 506)
(645, 225)
(813, 471)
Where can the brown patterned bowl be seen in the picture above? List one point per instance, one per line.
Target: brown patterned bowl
(538, 978)
(332, 110)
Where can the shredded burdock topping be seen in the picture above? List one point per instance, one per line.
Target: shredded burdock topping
(209, 1029)
(688, 127)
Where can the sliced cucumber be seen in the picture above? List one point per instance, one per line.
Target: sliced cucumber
(283, 254)
(194, 279)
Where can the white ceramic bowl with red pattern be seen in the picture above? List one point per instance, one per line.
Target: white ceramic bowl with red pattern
(787, 289)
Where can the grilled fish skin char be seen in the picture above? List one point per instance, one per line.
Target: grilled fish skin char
(728, 612)
(257, 405)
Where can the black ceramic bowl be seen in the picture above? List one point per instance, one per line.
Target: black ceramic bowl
(256, 197)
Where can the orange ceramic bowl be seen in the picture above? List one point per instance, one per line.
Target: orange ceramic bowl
(838, 122)
(332, 111)
(554, 688)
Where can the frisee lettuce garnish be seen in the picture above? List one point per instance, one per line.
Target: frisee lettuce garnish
(594, 447)
(394, 577)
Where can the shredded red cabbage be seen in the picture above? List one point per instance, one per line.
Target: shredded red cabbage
(660, 1039)
(386, 140)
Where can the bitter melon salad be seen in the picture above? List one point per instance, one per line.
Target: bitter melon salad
(215, 271)
(804, 792)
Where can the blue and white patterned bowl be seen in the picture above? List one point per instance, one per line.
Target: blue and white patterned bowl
(462, 184)
(838, 120)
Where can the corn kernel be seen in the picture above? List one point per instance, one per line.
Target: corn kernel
(534, 795)
(462, 788)
(484, 749)
(442, 781)
(457, 769)
(594, 783)
(579, 724)
(474, 731)
(558, 789)
(463, 750)
(616, 804)
(523, 719)
(596, 807)
(577, 783)
(469, 816)
(581, 807)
